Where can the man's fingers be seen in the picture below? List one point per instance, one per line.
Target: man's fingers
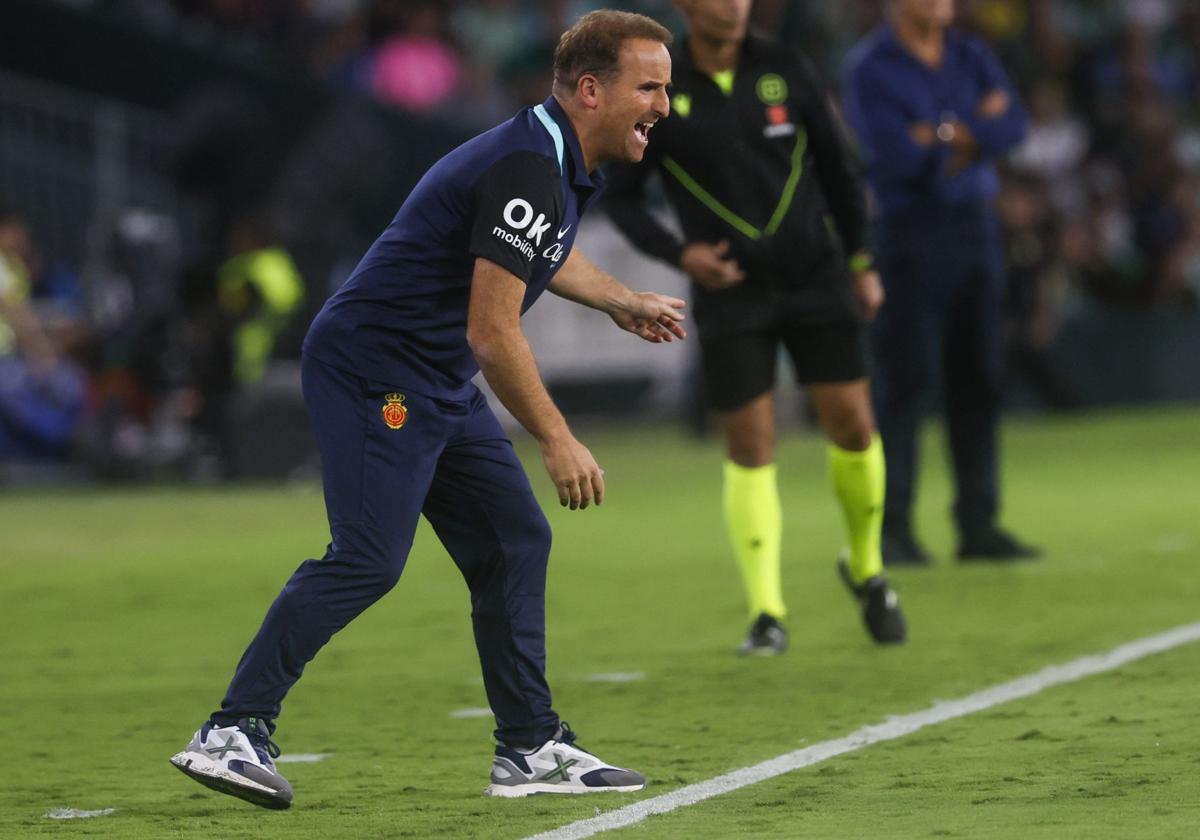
(671, 311)
(721, 247)
(717, 276)
(672, 327)
(598, 485)
(564, 492)
(994, 104)
(585, 493)
(923, 134)
(654, 334)
(660, 307)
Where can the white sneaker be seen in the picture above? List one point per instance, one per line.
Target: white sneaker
(237, 760)
(558, 766)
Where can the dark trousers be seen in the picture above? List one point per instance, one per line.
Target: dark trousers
(452, 462)
(943, 315)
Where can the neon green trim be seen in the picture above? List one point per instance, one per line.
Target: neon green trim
(861, 262)
(724, 80)
(789, 189)
(704, 197)
(733, 219)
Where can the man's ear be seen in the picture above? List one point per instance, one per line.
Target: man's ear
(588, 90)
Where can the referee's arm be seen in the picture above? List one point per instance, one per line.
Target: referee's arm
(838, 168)
(625, 203)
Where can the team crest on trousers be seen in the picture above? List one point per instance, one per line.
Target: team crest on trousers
(394, 412)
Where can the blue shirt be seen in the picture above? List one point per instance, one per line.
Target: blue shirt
(513, 195)
(888, 90)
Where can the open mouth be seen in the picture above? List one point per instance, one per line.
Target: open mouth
(642, 130)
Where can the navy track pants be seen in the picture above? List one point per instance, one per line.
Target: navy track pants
(452, 462)
(943, 317)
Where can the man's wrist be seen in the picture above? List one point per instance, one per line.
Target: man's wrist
(554, 437)
(618, 300)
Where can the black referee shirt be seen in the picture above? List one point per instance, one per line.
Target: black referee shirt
(764, 166)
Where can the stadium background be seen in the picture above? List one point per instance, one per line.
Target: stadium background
(153, 149)
(148, 145)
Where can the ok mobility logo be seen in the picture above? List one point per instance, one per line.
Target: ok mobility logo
(518, 215)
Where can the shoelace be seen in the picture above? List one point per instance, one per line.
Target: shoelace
(567, 736)
(262, 743)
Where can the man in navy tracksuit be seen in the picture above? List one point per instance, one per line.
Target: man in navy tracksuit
(402, 431)
(933, 109)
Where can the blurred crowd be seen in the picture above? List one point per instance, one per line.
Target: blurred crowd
(467, 61)
(1101, 204)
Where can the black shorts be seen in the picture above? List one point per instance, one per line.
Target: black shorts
(740, 366)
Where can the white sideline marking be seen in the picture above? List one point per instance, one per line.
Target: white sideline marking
(301, 758)
(76, 814)
(1170, 544)
(895, 726)
(471, 713)
(617, 677)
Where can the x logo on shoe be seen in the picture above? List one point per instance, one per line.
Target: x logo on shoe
(561, 769)
(228, 746)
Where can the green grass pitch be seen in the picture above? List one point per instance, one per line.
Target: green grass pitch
(123, 613)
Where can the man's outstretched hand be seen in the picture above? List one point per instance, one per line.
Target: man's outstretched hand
(650, 316)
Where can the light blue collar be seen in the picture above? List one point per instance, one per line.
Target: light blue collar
(555, 134)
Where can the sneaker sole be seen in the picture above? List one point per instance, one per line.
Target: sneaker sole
(519, 791)
(216, 777)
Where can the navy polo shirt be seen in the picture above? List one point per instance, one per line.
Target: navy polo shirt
(888, 90)
(513, 195)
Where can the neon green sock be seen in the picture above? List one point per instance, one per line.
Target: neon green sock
(755, 523)
(858, 482)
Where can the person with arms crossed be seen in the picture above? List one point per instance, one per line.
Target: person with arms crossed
(753, 162)
(933, 110)
(402, 431)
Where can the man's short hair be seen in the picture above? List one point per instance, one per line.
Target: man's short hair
(593, 45)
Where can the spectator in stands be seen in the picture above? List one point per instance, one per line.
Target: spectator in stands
(41, 389)
(259, 291)
(417, 68)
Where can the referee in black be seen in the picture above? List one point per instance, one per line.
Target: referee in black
(773, 212)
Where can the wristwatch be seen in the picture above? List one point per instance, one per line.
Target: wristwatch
(945, 128)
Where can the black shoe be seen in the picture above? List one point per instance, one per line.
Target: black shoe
(767, 637)
(993, 544)
(903, 550)
(880, 606)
